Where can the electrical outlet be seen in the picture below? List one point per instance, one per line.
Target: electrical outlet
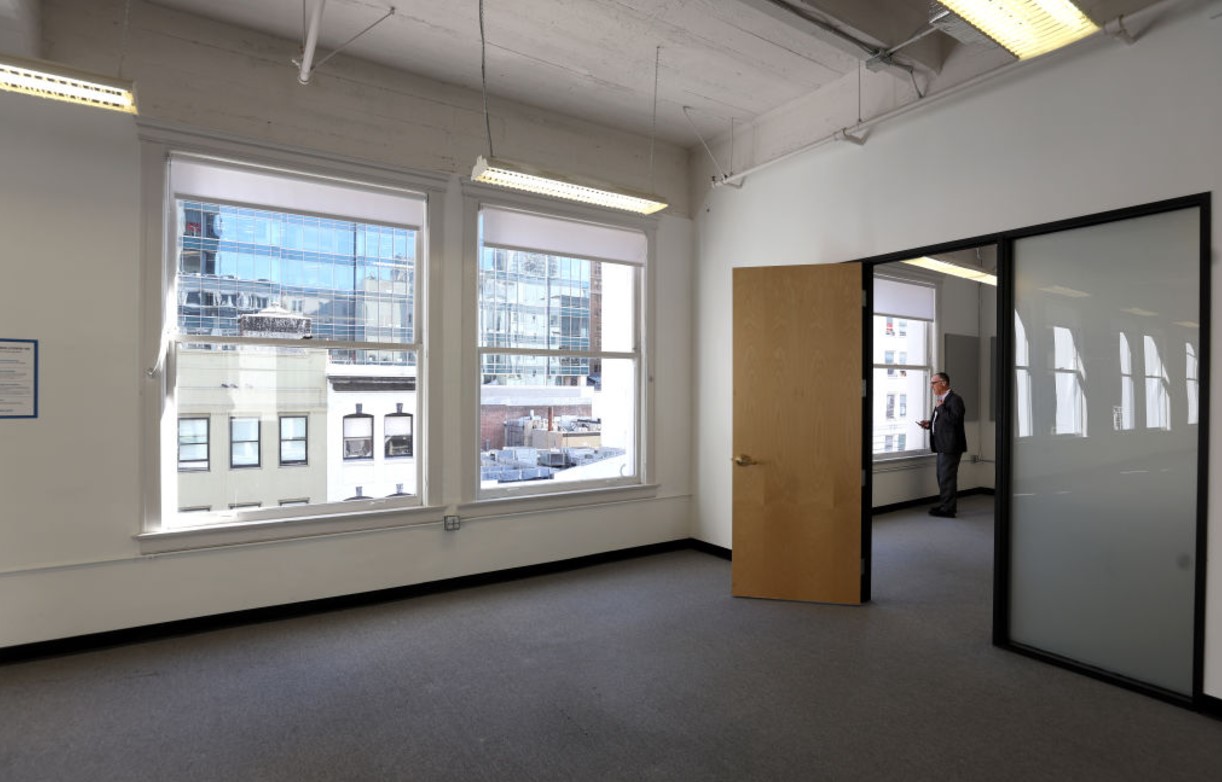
(452, 523)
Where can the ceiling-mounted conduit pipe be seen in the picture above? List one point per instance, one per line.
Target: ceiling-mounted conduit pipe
(311, 42)
(877, 56)
(853, 133)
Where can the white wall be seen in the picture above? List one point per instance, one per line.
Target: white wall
(19, 28)
(1100, 127)
(71, 484)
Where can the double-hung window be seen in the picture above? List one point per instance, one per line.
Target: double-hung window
(292, 300)
(903, 341)
(398, 433)
(358, 436)
(193, 443)
(294, 440)
(244, 441)
(559, 354)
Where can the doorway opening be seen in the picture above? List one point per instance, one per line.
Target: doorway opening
(928, 315)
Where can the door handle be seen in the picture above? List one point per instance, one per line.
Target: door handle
(743, 460)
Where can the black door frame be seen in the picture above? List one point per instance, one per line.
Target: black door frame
(1004, 240)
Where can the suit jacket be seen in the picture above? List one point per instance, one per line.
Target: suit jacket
(947, 435)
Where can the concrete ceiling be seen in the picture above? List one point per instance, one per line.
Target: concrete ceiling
(595, 59)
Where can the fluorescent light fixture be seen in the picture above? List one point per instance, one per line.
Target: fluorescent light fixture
(1140, 311)
(50, 80)
(518, 176)
(1027, 28)
(975, 275)
(1188, 324)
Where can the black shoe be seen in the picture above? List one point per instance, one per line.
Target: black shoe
(945, 514)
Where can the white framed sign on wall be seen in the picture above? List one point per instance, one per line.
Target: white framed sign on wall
(18, 378)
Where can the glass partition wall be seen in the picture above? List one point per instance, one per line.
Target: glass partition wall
(1105, 455)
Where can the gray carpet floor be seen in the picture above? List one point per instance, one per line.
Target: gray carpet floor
(643, 669)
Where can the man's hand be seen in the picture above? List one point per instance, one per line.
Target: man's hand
(924, 424)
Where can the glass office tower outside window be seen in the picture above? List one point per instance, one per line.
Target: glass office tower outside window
(559, 353)
(287, 321)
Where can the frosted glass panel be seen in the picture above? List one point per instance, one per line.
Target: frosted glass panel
(1104, 446)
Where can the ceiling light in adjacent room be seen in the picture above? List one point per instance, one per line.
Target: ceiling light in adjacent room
(1061, 290)
(49, 80)
(518, 176)
(975, 275)
(1026, 28)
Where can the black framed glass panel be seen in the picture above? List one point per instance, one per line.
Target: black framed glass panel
(1105, 446)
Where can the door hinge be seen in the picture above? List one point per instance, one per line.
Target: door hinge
(865, 298)
(863, 479)
(864, 387)
(863, 566)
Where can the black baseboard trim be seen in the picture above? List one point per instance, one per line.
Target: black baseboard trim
(1211, 706)
(710, 548)
(180, 627)
(906, 504)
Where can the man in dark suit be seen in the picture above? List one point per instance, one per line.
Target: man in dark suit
(948, 440)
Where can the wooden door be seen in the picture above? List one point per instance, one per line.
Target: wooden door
(797, 433)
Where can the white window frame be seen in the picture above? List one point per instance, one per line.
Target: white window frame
(557, 494)
(899, 363)
(158, 144)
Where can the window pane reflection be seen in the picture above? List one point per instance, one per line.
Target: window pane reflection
(1123, 415)
(1070, 379)
(1192, 376)
(1022, 379)
(1158, 400)
(1103, 529)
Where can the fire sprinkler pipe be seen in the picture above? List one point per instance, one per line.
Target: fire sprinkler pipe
(311, 42)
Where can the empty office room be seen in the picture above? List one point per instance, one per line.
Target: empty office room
(622, 336)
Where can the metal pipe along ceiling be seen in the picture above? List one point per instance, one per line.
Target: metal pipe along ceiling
(1111, 28)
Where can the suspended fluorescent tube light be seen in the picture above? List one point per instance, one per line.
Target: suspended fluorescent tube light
(975, 275)
(518, 176)
(50, 80)
(1027, 28)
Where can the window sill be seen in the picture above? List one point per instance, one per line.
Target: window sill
(268, 531)
(908, 462)
(531, 503)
